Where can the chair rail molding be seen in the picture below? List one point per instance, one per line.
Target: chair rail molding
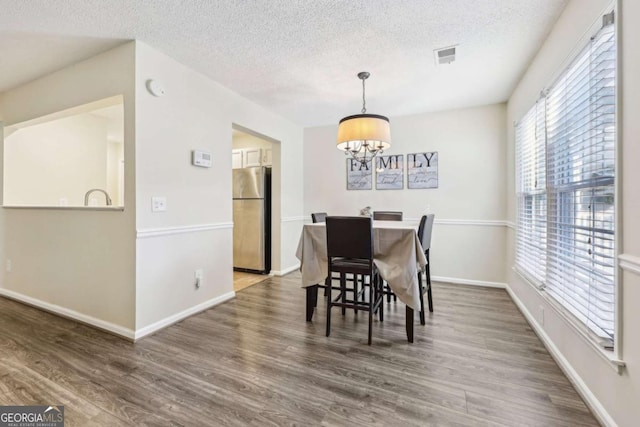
(473, 222)
(629, 263)
(168, 231)
(476, 222)
(293, 218)
(482, 222)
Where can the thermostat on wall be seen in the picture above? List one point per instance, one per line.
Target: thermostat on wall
(201, 158)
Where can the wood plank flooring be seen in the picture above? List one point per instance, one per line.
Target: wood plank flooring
(255, 361)
(242, 280)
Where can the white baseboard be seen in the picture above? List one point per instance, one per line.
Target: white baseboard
(590, 399)
(112, 327)
(458, 281)
(70, 314)
(168, 321)
(285, 271)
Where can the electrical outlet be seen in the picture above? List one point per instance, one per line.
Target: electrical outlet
(8, 266)
(541, 308)
(158, 204)
(199, 275)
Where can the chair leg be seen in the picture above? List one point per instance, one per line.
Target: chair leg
(343, 291)
(355, 293)
(428, 274)
(409, 323)
(422, 320)
(312, 301)
(327, 283)
(371, 284)
(328, 290)
(388, 291)
(380, 306)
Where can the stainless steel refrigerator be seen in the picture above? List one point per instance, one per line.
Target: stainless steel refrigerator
(252, 219)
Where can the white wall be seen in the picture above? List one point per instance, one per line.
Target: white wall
(468, 237)
(115, 158)
(196, 230)
(614, 397)
(92, 265)
(244, 140)
(80, 261)
(623, 393)
(59, 159)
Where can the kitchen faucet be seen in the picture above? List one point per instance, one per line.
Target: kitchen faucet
(106, 195)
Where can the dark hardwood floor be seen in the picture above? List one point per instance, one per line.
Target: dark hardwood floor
(255, 361)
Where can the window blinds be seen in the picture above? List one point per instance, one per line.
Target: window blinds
(565, 237)
(531, 194)
(581, 142)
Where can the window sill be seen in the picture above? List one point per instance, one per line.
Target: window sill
(614, 362)
(70, 208)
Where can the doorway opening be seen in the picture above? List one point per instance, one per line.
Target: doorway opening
(253, 206)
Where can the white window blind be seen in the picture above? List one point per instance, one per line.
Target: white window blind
(531, 194)
(571, 220)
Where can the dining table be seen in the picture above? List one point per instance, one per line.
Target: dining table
(397, 254)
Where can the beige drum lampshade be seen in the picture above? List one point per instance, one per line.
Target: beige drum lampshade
(353, 131)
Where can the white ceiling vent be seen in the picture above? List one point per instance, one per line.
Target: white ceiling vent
(445, 55)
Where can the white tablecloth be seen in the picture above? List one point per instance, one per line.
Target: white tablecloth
(397, 254)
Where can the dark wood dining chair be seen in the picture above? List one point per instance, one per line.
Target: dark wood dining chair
(387, 215)
(318, 217)
(350, 251)
(424, 235)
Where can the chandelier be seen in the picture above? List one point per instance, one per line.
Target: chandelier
(363, 136)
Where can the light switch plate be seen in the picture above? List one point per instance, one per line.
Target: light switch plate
(158, 204)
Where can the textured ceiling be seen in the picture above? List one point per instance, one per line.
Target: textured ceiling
(298, 58)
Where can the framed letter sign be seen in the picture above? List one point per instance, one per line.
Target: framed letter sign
(422, 170)
(390, 172)
(358, 175)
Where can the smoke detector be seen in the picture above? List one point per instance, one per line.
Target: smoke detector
(445, 55)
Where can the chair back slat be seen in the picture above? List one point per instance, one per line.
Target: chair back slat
(349, 237)
(425, 230)
(318, 217)
(387, 215)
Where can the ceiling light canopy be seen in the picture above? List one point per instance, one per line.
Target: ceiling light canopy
(363, 136)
